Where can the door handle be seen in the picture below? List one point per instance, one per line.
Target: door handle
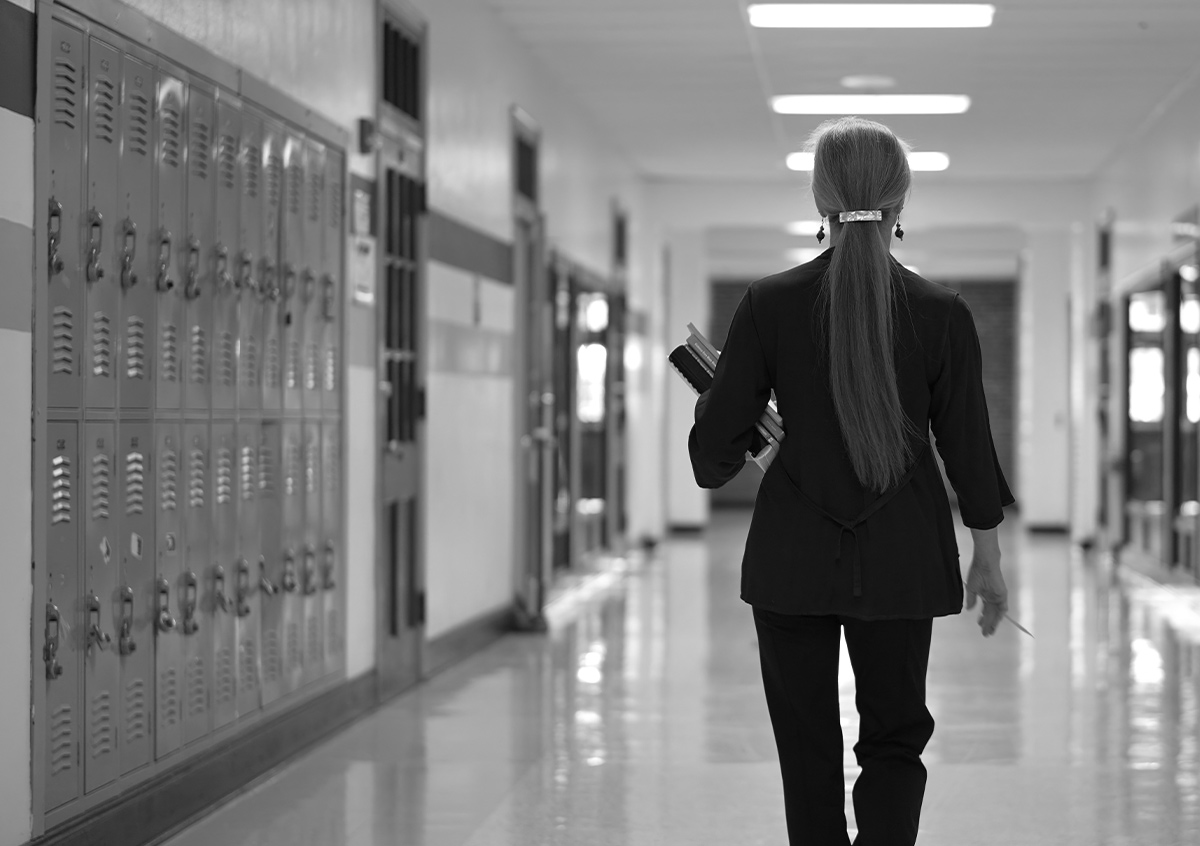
(125, 642)
(95, 636)
(165, 621)
(50, 650)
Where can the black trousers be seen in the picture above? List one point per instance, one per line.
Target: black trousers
(799, 657)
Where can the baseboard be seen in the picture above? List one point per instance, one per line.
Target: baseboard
(686, 528)
(152, 811)
(465, 640)
(1047, 528)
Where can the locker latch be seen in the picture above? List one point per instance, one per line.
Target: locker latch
(224, 278)
(191, 289)
(310, 571)
(329, 583)
(164, 282)
(268, 285)
(95, 636)
(327, 303)
(50, 650)
(289, 572)
(125, 644)
(220, 598)
(245, 280)
(191, 587)
(310, 285)
(165, 621)
(265, 584)
(96, 240)
(129, 249)
(243, 588)
(54, 225)
(289, 281)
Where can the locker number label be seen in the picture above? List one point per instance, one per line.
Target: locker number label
(135, 545)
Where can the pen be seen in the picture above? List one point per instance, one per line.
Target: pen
(1018, 625)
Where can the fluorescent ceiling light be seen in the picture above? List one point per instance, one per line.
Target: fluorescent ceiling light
(868, 81)
(871, 104)
(871, 15)
(803, 227)
(917, 161)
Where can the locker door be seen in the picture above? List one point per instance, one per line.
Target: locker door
(226, 248)
(101, 604)
(246, 579)
(194, 625)
(332, 290)
(292, 552)
(59, 322)
(168, 643)
(134, 259)
(293, 257)
(269, 277)
(331, 544)
(135, 599)
(60, 654)
(101, 236)
(218, 580)
(168, 244)
(198, 280)
(270, 562)
(249, 269)
(313, 602)
(312, 284)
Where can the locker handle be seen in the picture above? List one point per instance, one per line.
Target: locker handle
(191, 290)
(243, 588)
(224, 278)
(328, 301)
(54, 225)
(190, 589)
(96, 229)
(164, 282)
(125, 642)
(289, 572)
(310, 285)
(329, 582)
(165, 621)
(310, 571)
(129, 250)
(245, 280)
(220, 599)
(50, 650)
(268, 587)
(289, 281)
(94, 635)
(268, 286)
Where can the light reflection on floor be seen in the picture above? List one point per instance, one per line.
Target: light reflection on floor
(643, 722)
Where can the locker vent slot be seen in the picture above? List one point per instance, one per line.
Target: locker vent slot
(331, 369)
(171, 131)
(64, 340)
(135, 483)
(224, 476)
(104, 109)
(295, 187)
(249, 472)
(312, 456)
(227, 161)
(291, 469)
(170, 353)
(250, 363)
(168, 479)
(316, 185)
(293, 645)
(139, 123)
(271, 370)
(101, 344)
(334, 220)
(313, 650)
(66, 93)
(197, 689)
(198, 367)
(272, 663)
(60, 486)
(266, 472)
(199, 152)
(274, 179)
(136, 711)
(196, 479)
(226, 687)
(312, 366)
(247, 661)
(101, 728)
(100, 473)
(251, 170)
(168, 698)
(62, 739)
(135, 347)
(291, 377)
(228, 356)
(333, 632)
(332, 472)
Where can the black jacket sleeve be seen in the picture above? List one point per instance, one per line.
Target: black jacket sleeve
(727, 412)
(958, 415)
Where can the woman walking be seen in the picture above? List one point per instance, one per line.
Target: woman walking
(852, 528)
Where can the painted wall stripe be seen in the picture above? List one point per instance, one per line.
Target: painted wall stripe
(16, 271)
(461, 246)
(16, 172)
(454, 348)
(16, 59)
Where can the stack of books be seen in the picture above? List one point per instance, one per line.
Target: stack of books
(696, 362)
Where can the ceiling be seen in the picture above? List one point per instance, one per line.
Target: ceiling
(682, 86)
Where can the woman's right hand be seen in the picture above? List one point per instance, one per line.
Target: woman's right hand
(985, 581)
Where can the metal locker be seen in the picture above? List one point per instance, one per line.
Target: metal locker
(219, 579)
(135, 593)
(331, 282)
(199, 251)
(249, 272)
(167, 244)
(101, 601)
(310, 573)
(168, 643)
(100, 231)
(270, 278)
(60, 620)
(292, 543)
(194, 625)
(292, 258)
(270, 573)
(246, 585)
(59, 322)
(312, 281)
(226, 249)
(331, 544)
(135, 216)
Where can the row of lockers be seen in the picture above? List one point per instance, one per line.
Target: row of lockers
(209, 585)
(194, 243)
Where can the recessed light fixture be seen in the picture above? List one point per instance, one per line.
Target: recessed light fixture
(925, 161)
(871, 15)
(871, 104)
(868, 81)
(804, 227)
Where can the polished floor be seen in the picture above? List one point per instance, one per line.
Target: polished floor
(640, 720)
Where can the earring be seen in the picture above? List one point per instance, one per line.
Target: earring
(899, 231)
(821, 232)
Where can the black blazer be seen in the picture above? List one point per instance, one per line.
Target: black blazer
(819, 542)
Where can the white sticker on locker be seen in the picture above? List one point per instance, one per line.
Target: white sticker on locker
(135, 545)
(105, 550)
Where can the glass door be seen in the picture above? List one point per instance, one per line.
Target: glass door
(1144, 505)
(592, 415)
(1187, 522)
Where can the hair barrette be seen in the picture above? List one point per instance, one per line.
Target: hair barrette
(855, 216)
